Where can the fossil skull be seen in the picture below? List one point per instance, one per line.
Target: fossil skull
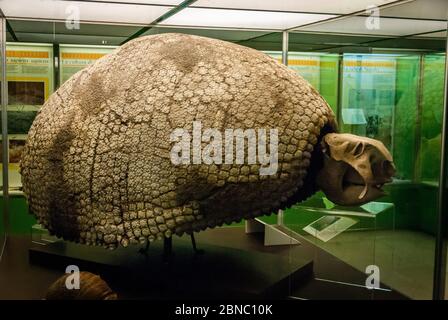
(355, 169)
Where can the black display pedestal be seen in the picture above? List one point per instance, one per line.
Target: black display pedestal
(220, 272)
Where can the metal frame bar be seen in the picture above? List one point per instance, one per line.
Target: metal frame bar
(440, 254)
(4, 113)
(340, 87)
(285, 47)
(56, 66)
(379, 40)
(170, 13)
(11, 31)
(352, 14)
(105, 2)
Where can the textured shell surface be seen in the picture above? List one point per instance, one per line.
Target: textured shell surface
(91, 287)
(96, 167)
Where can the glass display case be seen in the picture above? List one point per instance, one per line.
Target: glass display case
(4, 208)
(386, 83)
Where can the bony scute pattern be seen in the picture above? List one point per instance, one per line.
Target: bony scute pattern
(96, 168)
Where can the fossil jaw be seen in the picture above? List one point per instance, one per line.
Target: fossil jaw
(355, 169)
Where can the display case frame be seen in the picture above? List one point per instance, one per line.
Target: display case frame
(442, 205)
(4, 125)
(440, 254)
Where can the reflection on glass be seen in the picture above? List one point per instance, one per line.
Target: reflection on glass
(321, 70)
(30, 74)
(431, 117)
(405, 116)
(369, 90)
(397, 99)
(30, 82)
(76, 57)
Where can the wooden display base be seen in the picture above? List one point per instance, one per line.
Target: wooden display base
(219, 272)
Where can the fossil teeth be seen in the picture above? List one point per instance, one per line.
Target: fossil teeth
(364, 192)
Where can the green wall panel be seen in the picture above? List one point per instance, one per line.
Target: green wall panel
(431, 117)
(329, 77)
(406, 111)
(20, 221)
(321, 70)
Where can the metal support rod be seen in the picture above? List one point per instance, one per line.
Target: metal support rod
(195, 247)
(280, 218)
(4, 113)
(56, 67)
(285, 46)
(184, 4)
(442, 218)
(340, 87)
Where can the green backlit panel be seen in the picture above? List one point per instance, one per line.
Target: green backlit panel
(406, 112)
(329, 77)
(368, 96)
(388, 99)
(320, 70)
(20, 221)
(431, 117)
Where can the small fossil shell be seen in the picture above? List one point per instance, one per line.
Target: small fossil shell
(91, 287)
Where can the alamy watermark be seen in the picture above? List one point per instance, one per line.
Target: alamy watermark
(73, 17)
(72, 282)
(373, 278)
(231, 149)
(373, 20)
